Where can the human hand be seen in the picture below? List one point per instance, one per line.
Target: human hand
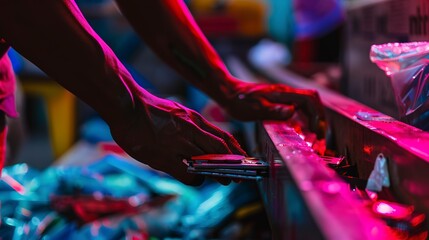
(251, 101)
(162, 133)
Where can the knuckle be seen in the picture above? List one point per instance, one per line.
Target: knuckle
(312, 93)
(222, 142)
(228, 137)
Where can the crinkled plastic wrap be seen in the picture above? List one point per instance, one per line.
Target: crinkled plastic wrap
(112, 198)
(115, 198)
(227, 212)
(407, 66)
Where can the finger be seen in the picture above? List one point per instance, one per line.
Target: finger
(315, 110)
(320, 129)
(189, 149)
(197, 179)
(210, 143)
(237, 180)
(192, 180)
(222, 180)
(310, 102)
(178, 170)
(230, 141)
(276, 111)
(217, 134)
(234, 146)
(171, 161)
(306, 100)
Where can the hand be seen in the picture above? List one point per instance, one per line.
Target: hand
(162, 133)
(252, 101)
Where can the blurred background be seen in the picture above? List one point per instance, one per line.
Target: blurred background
(305, 36)
(66, 178)
(57, 134)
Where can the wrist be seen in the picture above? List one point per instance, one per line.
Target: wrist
(223, 88)
(124, 112)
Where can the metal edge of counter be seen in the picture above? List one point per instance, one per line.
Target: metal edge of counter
(335, 212)
(404, 146)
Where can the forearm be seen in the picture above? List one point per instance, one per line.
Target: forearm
(169, 29)
(65, 47)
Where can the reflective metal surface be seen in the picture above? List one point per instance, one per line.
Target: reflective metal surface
(307, 200)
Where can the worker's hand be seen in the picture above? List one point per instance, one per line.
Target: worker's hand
(250, 101)
(163, 133)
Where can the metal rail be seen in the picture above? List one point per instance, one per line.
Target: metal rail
(405, 147)
(307, 200)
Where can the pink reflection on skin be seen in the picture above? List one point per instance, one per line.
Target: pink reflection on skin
(418, 220)
(384, 208)
(330, 187)
(372, 195)
(375, 231)
(392, 210)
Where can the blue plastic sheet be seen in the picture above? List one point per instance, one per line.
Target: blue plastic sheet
(28, 212)
(119, 199)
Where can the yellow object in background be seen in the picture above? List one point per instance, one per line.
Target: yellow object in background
(61, 112)
(245, 17)
(250, 14)
(204, 6)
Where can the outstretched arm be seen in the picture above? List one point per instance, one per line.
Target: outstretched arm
(54, 35)
(168, 27)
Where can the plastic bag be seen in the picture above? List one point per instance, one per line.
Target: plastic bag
(407, 66)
